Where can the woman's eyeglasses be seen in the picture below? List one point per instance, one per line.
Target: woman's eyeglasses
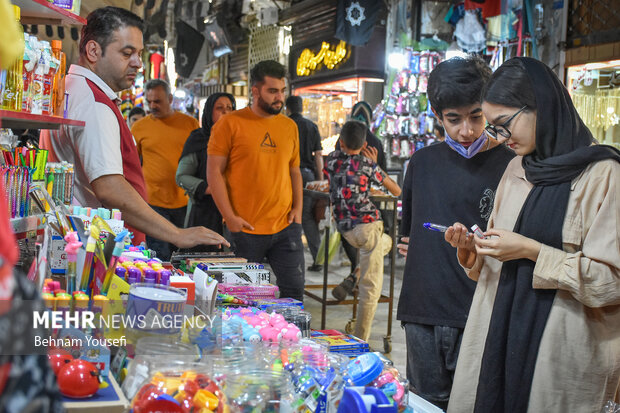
(502, 130)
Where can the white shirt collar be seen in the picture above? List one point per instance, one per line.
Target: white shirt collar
(90, 75)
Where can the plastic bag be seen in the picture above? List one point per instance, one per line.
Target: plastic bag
(334, 242)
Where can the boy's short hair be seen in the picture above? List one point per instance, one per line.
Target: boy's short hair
(136, 111)
(264, 68)
(457, 82)
(353, 134)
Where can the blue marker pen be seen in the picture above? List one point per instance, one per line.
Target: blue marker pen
(435, 227)
(443, 228)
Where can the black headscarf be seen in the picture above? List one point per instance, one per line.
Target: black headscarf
(563, 150)
(199, 138)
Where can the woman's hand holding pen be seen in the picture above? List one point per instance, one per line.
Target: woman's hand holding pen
(459, 237)
(507, 245)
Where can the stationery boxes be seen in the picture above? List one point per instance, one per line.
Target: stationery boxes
(346, 344)
(250, 292)
(255, 277)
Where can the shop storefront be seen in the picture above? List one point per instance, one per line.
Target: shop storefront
(593, 80)
(595, 90)
(332, 76)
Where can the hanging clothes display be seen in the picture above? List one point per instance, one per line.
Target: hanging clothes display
(469, 33)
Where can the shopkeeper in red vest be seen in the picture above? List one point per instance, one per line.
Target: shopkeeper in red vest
(106, 163)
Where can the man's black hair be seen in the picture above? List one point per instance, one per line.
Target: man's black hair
(269, 68)
(294, 104)
(136, 111)
(103, 22)
(353, 134)
(457, 82)
(155, 83)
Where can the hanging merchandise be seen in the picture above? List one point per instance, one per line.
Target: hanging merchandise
(422, 83)
(157, 66)
(395, 146)
(405, 119)
(126, 102)
(469, 33)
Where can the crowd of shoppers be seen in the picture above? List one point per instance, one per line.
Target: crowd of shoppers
(521, 319)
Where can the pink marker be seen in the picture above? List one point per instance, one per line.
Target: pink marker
(476, 230)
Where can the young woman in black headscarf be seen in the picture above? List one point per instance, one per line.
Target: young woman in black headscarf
(192, 170)
(543, 332)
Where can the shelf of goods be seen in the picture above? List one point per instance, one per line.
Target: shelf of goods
(23, 120)
(43, 12)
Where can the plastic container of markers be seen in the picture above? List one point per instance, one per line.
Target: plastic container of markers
(263, 390)
(150, 351)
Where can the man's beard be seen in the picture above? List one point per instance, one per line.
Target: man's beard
(268, 108)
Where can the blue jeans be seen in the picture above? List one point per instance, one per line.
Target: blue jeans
(432, 352)
(164, 249)
(283, 250)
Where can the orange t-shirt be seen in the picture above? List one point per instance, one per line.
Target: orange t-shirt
(261, 153)
(160, 143)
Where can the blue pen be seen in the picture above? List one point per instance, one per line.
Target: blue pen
(443, 228)
(435, 227)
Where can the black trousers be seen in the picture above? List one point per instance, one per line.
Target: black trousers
(164, 249)
(283, 251)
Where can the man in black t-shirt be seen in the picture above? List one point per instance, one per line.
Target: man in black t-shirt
(311, 165)
(452, 181)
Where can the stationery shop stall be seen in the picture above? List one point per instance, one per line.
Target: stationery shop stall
(125, 331)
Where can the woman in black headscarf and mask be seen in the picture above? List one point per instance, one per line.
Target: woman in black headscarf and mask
(543, 331)
(192, 170)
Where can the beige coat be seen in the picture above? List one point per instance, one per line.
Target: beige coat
(578, 365)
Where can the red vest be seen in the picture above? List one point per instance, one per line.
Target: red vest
(132, 170)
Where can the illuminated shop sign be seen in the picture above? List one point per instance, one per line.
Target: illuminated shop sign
(308, 61)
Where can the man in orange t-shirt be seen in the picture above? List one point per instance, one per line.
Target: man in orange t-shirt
(254, 175)
(160, 137)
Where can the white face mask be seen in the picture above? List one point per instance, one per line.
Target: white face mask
(473, 149)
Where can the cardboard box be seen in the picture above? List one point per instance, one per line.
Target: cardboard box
(241, 277)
